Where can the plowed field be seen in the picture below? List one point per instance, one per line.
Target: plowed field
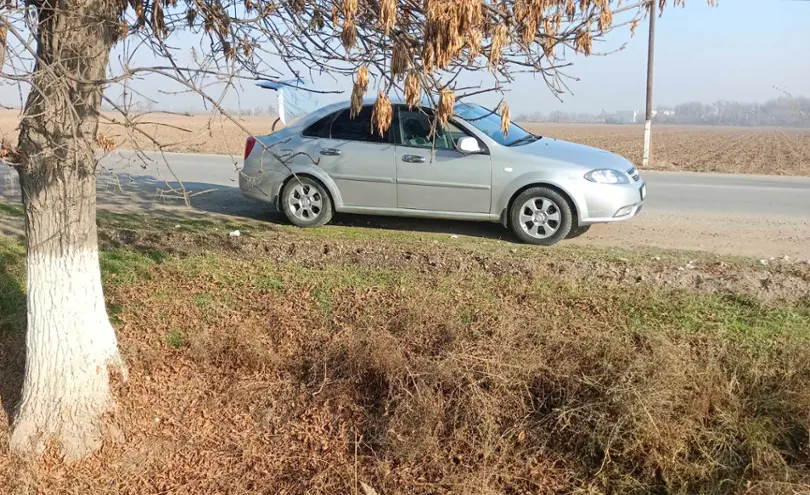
(686, 148)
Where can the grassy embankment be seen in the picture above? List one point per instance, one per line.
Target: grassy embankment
(292, 361)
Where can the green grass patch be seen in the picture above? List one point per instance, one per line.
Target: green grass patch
(176, 222)
(269, 283)
(12, 285)
(11, 210)
(128, 266)
(733, 316)
(175, 338)
(358, 233)
(323, 300)
(203, 302)
(114, 311)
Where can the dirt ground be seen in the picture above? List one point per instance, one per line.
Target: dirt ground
(688, 148)
(311, 361)
(738, 150)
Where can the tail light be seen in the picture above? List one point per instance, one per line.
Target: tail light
(249, 144)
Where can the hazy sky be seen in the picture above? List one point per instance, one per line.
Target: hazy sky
(738, 50)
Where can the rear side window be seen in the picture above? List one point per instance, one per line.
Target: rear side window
(319, 129)
(357, 128)
(340, 125)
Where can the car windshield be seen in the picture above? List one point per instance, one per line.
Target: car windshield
(489, 123)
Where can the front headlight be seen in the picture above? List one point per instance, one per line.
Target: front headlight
(607, 176)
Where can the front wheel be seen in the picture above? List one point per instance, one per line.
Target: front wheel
(540, 215)
(578, 231)
(306, 203)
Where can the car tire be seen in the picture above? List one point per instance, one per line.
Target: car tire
(306, 202)
(578, 231)
(540, 215)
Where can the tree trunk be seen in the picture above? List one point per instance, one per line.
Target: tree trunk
(70, 344)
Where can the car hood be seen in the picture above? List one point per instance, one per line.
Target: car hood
(572, 153)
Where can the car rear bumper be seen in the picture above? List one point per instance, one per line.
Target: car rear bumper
(613, 203)
(261, 186)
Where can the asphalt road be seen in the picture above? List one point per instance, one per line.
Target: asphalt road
(729, 214)
(744, 196)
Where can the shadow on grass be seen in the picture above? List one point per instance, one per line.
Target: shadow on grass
(12, 325)
(139, 196)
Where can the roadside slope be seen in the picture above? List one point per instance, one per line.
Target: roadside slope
(308, 361)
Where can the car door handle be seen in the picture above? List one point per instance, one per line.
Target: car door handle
(330, 152)
(413, 158)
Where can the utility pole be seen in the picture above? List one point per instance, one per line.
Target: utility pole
(648, 120)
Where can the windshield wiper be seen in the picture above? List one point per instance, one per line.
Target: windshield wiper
(525, 139)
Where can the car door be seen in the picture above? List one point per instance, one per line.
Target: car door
(448, 181)
(359, 161)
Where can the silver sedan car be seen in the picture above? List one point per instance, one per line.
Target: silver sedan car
(543, 189)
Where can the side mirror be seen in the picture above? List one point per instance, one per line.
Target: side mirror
(468, 144)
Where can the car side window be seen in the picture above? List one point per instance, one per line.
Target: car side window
(415, 127)
(357, 128)
(320, 128)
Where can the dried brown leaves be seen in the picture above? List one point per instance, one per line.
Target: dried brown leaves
(584, 40)
(105, 143)
(447, 103)
(318, 20)
(474, 39)
(158, 22)
(412, 89)
(388, 14)
(400, 59)
(505, 117)
(570, 10)
(348, 35)
(548, 47)
(605, 18)
(362, 77)
(382, 114)
(267, 391)
(533, 13)
(447, 29)
(10, 154)
(500, 37)
(358, 91)
(3, 39)
(349, 8)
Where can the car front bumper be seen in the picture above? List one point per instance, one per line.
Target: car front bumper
(612, 202)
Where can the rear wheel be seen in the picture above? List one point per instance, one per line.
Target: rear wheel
(540, 215)
(306, 203)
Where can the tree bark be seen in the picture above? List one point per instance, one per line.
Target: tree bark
(70, 344)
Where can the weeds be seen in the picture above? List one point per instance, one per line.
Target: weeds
(444, 373)
(485, 384)
(11, 210)
(123, 265)
(175, 338)
(12, 294)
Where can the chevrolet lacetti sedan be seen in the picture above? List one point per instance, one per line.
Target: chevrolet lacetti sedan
(543, 189)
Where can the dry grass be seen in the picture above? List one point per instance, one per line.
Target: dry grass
(286, 363)
(697, 149)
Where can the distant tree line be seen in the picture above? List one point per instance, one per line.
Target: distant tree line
(150, 106)
(785, 111)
